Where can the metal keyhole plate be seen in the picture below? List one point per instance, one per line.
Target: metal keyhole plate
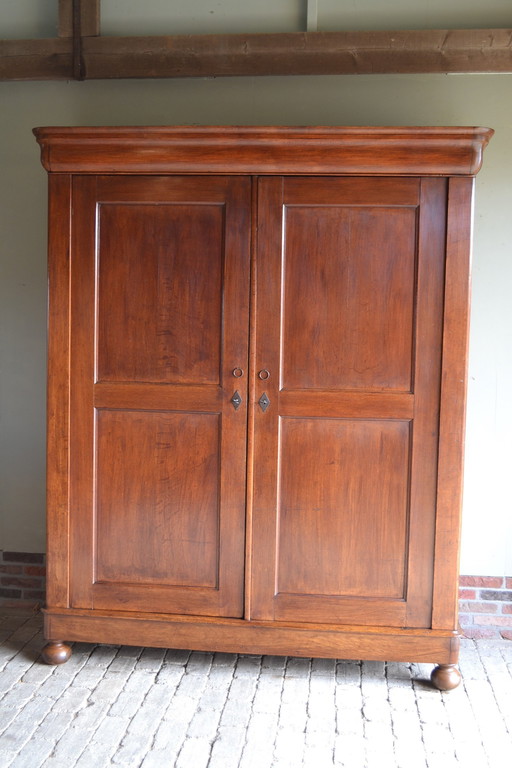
(264, 402)
(236, 400)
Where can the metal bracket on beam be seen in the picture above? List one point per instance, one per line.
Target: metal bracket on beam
(78, 63)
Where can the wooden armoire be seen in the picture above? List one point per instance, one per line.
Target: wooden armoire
(257, 363)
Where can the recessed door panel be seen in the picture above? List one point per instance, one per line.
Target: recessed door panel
(347, 323)
(159, 318)
(157, 498)
(159, 292)
(343, 507)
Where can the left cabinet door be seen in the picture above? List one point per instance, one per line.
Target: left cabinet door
(159, 337)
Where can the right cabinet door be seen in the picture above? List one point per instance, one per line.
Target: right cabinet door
(349, 309)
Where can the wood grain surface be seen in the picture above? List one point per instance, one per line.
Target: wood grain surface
(258, 349)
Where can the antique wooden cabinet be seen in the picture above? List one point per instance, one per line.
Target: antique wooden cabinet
(257, 356)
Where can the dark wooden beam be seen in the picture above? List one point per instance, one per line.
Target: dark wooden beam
(78, 65)
(89, 17)
(308, 53)
(45, 59)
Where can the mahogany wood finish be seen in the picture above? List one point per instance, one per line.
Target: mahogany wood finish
(321, 276)
(345, 284)
(264, 150)
(160, 291)
(254, 637)
(57, 544)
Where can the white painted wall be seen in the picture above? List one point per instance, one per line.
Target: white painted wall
(343, 100)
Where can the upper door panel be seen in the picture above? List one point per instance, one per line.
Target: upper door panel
(347, 322)
(160, 296)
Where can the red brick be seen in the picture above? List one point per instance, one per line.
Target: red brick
(19, 581)
(506, 608)
(30, 605)
(506, 634)
(469, 606)
(508, 582)
(467, 594)
(23, 557)
(495, 621)
(493, 594)
(481, 581)
(14, 569)
(34, 594)
(479, 633)
(35, 570)
(10, 593)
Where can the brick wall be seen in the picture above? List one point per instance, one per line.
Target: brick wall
(485, 606)
(22, 578)
(485, 602)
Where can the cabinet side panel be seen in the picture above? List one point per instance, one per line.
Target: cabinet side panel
(453, 401)
(57, 581)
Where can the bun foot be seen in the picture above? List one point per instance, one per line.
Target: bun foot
(446, 677)
(56, 652)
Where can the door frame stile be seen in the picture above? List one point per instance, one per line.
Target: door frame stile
(58, 393)
(251, 404)
(453, 401)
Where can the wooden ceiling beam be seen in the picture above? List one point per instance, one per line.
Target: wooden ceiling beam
(89, 13)
(308, 53)
(45, 59)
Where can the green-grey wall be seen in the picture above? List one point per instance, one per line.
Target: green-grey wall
(343, 100)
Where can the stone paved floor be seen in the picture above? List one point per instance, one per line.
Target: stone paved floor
(147, 708)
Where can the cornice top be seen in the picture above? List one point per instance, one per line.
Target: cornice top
(401, 151)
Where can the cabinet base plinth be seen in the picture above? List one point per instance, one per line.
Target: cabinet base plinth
(255, 637)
